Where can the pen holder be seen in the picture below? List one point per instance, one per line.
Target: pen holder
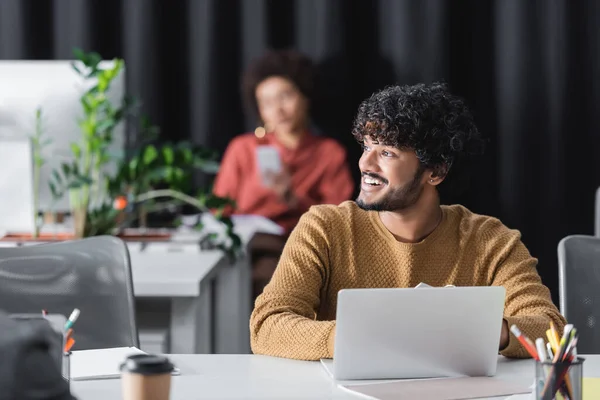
(561, 380)
(66, 366)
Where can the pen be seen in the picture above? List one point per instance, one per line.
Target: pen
(555, 337)
(550, 352)
(69, 345)
(551, 341)
(72, 319)
(525, 341)
(569, 353)
(541, 349)
(560, 353)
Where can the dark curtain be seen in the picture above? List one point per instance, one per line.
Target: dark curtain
(529, 69)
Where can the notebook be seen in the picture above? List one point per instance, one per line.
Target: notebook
(591, 388)
(439, 389)
(431, 389)
(591, 391)
(101, 363)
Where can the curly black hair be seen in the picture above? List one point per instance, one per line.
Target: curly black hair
(288, 64)
(427, 119)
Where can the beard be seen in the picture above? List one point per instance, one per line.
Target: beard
(396, 199)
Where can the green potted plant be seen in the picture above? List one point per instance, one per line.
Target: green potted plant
(145, 174)
(82, 178)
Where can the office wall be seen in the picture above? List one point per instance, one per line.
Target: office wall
(529, 69)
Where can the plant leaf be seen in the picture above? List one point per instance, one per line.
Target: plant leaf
(57, 177)
(106, 125)
(79, 54)
(150, 154)
(76, 150)
(168, 155)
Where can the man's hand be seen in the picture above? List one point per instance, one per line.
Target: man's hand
(281, 184)
(504, 335)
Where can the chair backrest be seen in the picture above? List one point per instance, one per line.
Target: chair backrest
(597, 214)
(93, 275)
(579, 288)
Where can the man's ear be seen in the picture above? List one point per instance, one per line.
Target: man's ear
(438, 174)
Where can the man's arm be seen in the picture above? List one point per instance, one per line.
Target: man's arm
(283, 322)
(528, 302)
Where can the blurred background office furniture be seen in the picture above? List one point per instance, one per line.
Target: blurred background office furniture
(187, 299)
(175, 287)
(579, 288)
(93, 275)
(203, 296)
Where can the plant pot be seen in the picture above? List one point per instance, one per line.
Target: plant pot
(53, 218)
(79, 222)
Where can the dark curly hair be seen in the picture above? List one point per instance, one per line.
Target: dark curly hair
(427, 119)
(288, 64)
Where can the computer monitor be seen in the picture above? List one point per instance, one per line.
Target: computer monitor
(56, 88)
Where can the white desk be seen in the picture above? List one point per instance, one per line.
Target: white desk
(258, 377)
(210, 296)
(186, 278)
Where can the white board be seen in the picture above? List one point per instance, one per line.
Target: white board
(16, 186)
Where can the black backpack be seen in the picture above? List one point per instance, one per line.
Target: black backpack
(29, 369)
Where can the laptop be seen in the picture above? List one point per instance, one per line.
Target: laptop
(417, 333)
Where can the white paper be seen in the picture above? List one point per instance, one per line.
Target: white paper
(257, 223)
(243, 225)
(424, 285)
(101, 363)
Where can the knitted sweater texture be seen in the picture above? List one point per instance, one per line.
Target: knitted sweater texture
(338, 247)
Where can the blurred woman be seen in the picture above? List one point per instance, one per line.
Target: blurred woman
(282, 168)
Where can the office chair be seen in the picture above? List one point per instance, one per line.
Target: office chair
(92, 274)
(579, 288)
(597, 214)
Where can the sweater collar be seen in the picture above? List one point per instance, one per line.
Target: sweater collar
(431, 238)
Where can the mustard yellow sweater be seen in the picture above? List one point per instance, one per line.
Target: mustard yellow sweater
(337, 247)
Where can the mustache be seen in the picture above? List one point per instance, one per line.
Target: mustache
(375, 176)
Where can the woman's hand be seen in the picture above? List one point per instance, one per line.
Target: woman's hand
(281, 184)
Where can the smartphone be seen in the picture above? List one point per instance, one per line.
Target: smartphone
(268, 159)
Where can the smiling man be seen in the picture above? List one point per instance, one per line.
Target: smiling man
(396, 234)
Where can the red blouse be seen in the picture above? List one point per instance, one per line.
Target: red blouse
(319, 173)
